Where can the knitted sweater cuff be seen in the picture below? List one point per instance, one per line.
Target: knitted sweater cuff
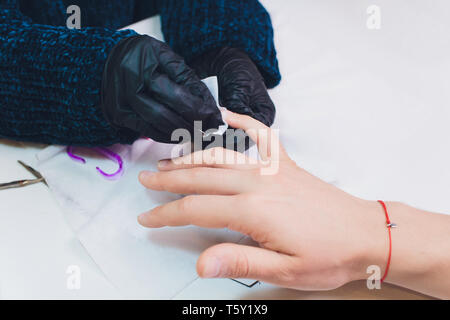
(50, 82)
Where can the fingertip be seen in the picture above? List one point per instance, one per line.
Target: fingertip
(144, 176)
(141, 176)
(208, 266)
(215, 261)
(141, 219)
(147, 220)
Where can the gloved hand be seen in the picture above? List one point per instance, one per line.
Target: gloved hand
(241, 86)
(148, 89)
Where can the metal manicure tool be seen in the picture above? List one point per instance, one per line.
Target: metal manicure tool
(26, 182)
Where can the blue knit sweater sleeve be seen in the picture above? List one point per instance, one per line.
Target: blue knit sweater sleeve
(50, 79)
(192, 27)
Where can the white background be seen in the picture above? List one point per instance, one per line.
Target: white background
(366, 109)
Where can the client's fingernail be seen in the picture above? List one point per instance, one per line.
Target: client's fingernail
(163, 163)
(141, 218)
(212, 268)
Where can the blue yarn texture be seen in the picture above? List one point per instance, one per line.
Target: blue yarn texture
(50, 76)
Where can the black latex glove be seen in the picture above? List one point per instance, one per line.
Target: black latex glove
(241, 86)
(148, 89)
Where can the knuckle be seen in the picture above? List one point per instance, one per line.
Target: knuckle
(196, 173)
(285, 277)
(240, 268)
(288, 273)
(172, 181)
(186, 204)
(211, 156)
(251, 200)
(155, 181)
(251, 220)
(242, 265)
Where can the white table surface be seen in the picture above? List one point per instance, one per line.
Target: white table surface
(365, 109)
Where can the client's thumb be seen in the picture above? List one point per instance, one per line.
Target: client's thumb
(230, 260)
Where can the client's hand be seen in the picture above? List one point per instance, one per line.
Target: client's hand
(307, 228)
(311, 234)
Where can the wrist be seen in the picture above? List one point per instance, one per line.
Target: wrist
(420, 247)
(371, 244)
(417, 246)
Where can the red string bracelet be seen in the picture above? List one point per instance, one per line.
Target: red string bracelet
(389, 225)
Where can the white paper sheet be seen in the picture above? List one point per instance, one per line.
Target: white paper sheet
(141, 262)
